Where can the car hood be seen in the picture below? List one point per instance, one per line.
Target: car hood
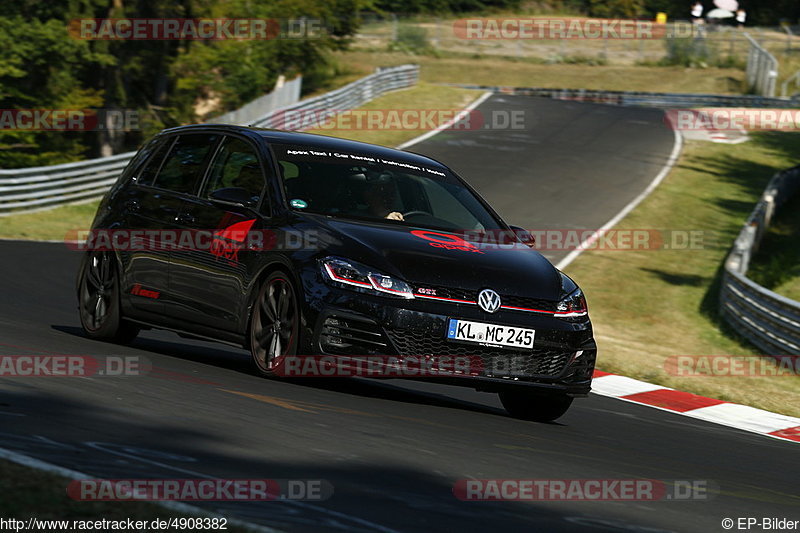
(438, 258)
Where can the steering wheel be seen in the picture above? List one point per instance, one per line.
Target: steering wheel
(416, 212)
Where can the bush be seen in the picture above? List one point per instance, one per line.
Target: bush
(412, 40)
(697, 52)
(591, 61)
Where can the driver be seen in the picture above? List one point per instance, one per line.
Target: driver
(381, 196)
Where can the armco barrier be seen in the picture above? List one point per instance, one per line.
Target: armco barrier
(287, 94)
(348, 97)
(33, 188)
(762, 69)
(647, 99)
(768, 320)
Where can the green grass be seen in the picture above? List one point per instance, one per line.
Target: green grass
(649, 305)
(56, 224)
(776, 265)
(483, 70)
(52, 224)
(423, 96)
(32, 493)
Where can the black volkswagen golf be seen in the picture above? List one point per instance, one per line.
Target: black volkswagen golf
(294, 245)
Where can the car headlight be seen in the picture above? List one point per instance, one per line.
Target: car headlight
(574, 303)
(355, 274)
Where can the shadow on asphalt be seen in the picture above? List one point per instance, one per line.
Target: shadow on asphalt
(369, 495)
(227, 357)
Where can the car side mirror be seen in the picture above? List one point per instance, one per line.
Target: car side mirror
(232, 196)
(524, 236)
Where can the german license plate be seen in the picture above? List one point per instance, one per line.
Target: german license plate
(483, 333)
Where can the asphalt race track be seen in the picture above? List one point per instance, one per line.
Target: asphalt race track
(392, 449)
(574, 165)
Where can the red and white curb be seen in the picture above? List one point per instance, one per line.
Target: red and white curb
(685, 403)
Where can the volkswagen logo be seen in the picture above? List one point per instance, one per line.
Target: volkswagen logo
(488, 300)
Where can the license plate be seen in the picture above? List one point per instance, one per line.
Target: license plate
(482, 333)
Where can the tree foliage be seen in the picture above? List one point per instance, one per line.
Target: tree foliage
(43, 67)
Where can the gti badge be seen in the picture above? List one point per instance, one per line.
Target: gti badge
(488, 300)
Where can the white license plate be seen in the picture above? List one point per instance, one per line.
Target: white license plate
(482, 333)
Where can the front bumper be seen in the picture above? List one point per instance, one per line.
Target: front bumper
(346, 323)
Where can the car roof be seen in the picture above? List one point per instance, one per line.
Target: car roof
(323, 142)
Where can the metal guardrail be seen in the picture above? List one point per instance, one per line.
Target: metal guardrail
(29, 189)
(793, 79)
(348, 97)
(762, 69)
(286, 94)
(768, 320)
(648, 99)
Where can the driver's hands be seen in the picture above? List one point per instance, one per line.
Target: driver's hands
(394, 215)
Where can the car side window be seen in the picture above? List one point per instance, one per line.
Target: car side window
(148, 173)
(184, 165)
(139, 159)
(236, 165)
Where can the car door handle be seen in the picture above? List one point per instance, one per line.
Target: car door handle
(185, 218)
(132, 205)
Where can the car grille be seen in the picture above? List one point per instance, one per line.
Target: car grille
(494, 362)
(506, 299)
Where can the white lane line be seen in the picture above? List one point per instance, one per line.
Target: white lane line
(179, 507)
(673, 158)
(428, 134)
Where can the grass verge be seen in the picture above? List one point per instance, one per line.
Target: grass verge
(482, 70)
(54, 224)
(650, 305)
(28, 492)
(776, 265)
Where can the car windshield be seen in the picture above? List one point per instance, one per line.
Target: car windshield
(368, 187)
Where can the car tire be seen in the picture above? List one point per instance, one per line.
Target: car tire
(538, 408)
(274, 323)
(98, 300)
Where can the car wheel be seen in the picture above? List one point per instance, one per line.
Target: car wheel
(538, 408)
(98, 301)
(275, 323)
